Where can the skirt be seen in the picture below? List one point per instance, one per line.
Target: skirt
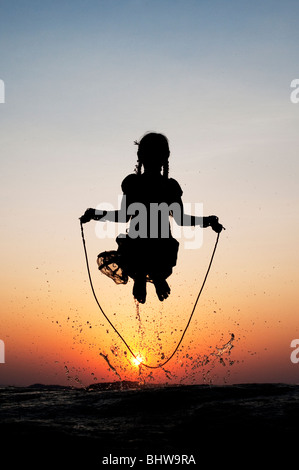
(153, 258)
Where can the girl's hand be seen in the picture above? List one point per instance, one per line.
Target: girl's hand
(214, 223)
(88, 216)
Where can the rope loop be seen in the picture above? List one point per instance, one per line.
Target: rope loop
(116, 330)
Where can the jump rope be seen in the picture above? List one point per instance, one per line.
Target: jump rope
(159, 365)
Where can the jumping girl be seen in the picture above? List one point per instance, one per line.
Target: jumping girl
(148, 252)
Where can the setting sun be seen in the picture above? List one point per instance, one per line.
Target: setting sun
(137, 360)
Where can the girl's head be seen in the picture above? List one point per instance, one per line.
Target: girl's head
(153, 153)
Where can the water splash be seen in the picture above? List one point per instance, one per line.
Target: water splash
(105, 356)
(227, 347)
(140, 325)
(168, 374)
(207, 363)
(73, 378)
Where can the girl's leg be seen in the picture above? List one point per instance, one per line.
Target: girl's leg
(139, 288)
(162, 288)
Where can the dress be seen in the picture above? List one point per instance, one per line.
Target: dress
(148, 250)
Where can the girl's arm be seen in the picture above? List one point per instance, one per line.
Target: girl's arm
(191, 220)
(120, 215)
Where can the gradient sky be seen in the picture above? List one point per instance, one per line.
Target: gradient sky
(83, 80)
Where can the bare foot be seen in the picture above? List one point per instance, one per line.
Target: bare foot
(139, 290)
(162, 289)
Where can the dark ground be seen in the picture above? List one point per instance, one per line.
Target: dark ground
(235, 426)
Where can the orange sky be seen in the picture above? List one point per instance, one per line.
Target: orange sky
(55, 332)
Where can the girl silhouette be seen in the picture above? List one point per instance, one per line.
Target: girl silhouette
(148, 252)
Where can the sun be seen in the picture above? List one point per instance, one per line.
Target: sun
(137, 360)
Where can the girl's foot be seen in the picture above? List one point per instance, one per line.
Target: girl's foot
(139, 290)
(162, 289)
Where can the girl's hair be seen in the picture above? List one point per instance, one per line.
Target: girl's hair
(153, 146)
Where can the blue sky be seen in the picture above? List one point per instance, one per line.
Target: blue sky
(85, 79)
(103, 71)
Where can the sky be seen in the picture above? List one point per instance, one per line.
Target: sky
(83, 80)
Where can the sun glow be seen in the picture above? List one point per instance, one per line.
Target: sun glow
(137, 360)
